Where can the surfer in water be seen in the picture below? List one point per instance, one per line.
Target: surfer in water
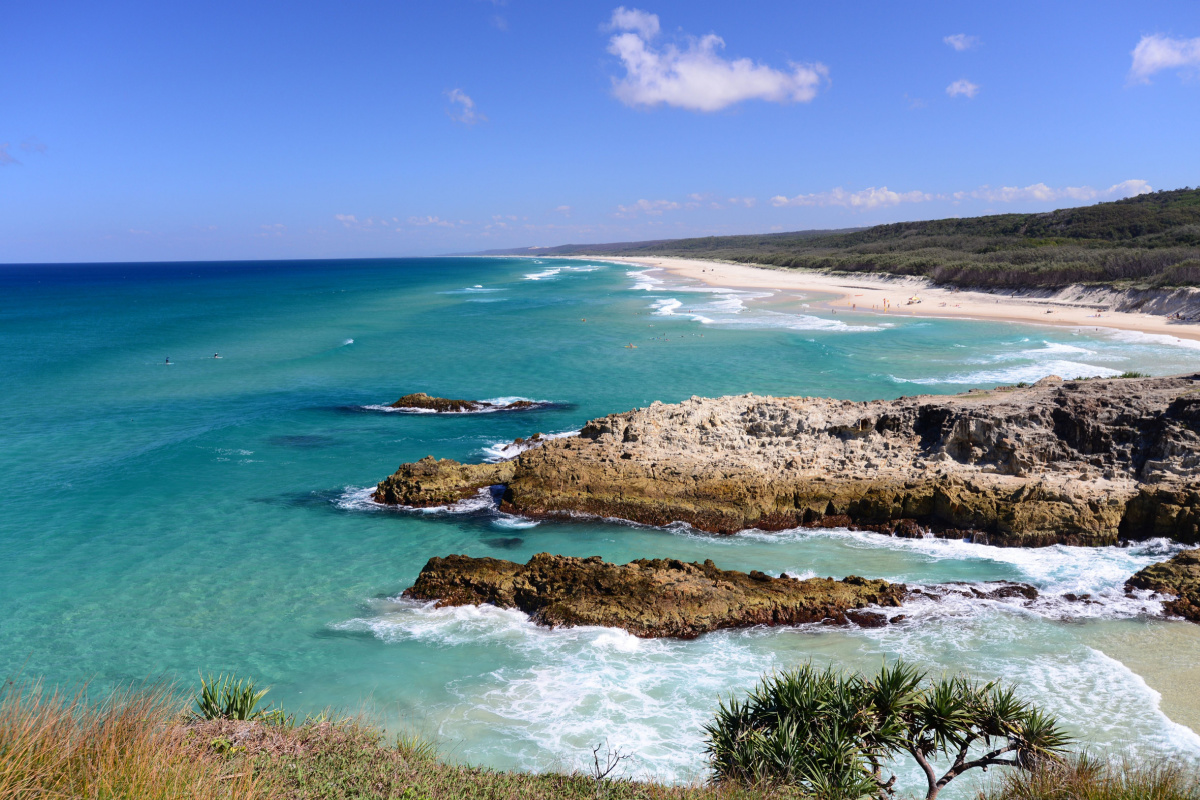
(168, 361)
(216, 355)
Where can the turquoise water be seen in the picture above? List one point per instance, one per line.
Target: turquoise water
(211, 515)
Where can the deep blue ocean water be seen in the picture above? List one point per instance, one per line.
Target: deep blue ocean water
(210, 515)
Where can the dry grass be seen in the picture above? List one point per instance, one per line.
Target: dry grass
(1086, 777)
(130, 745)
(141, 745)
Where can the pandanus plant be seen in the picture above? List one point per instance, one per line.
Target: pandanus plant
(834, 734)
(228, 697)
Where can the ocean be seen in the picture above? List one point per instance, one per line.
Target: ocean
(161, 521)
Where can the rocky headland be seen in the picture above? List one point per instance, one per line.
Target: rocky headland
(1075, 462)
(443, 405)
(1178, 576)
(650, 597)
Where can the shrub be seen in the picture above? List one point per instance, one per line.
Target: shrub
(228, 697)
(831, 734)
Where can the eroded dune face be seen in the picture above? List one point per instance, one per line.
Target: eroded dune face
(1077, 462)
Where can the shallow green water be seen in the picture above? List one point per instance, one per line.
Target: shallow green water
(211, 515)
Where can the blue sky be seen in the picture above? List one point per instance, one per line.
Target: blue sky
(180, 131)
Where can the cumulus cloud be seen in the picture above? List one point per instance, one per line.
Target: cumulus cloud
(697, 77)
(654, 208)
(962, 88)
(865, 199)
(1040, 192)
(748, 202)
(466, 112)
(961, 41)
(5, 158)
(1157, 52)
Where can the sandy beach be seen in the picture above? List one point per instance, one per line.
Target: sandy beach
(877, 295)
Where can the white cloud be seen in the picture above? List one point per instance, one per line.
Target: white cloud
(883, 197)
(1040, 192)
(427, 220)
(961, 41)
(632, 19)
(467, 113)
(652, 207)
(748, 202)
(862, 200)
(962, 87)
(1158, 52)
(5, 158)
(698, 78)
(276, 229)
(564, 210)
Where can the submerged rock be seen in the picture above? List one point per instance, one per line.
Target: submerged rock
(650, 597)
(423, 402)
(1178, 576)
(1073, 462)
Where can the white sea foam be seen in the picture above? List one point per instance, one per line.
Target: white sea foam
(474, 290)
(355, 498)
(547, 696)
(728, 307)
(490, 406)
(1056, 571)
(392, 410)
(644, 281)
(513, 522)
(554, 271)
(1162, 339)
(348, 341)
(503, 451)
(1027, 373)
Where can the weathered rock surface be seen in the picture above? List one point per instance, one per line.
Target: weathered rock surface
(423, 402)
(1076, 462)
(1179, 576)
(430, 482)
(651, 597)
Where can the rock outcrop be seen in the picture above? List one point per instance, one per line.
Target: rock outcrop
(1178, 576)
(651, 597)
(441, 405)
(1076, 462)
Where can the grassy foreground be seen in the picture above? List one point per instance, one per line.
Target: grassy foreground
(142, 744)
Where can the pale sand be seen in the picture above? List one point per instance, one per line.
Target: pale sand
(866, 294)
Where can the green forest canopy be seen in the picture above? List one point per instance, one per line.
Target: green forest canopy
(1149, 240)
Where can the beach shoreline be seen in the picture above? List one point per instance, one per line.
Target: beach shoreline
(877, 295)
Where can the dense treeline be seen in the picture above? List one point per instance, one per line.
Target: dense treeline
(1149, 240)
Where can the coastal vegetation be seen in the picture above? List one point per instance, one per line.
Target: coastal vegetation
(148, 744)
(1152, 240)
(835, 734)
